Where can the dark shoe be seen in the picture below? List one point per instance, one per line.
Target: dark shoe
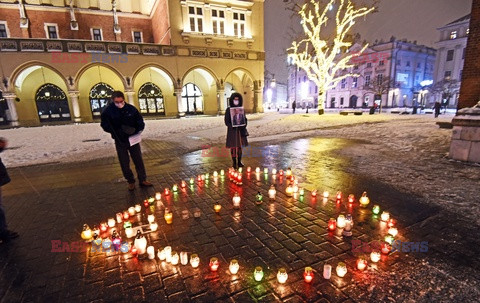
(240, 164)
(146, 184)
(234, 161)
(131, 186)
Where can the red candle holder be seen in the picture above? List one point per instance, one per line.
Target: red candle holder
(214, 264)
(351, 198)
(183, 184)
(249, 169)
(145, 203)
(308, 274)
(332, 224)
(391, 222)
(239, 179)
(134, 251)
(339, 196)
(361, 264)
(385, 248)
(103, 227)
(167, 191)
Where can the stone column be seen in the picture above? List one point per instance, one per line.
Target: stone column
(12, 108)
(221, 101)
(178, 95)
(75, 106)
(257, 97)
(130, 98)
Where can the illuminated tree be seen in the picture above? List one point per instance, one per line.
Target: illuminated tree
(323, 52)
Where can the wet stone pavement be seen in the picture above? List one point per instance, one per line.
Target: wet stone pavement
(50, 203)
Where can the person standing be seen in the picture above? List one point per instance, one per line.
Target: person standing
(123, 120)
(437, 108)
(294, 106)
(5, 234)
(236, 136)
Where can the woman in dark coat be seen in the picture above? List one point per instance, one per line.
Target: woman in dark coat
(236, 136)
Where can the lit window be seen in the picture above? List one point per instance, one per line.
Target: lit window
(468, 31)
(192, 99)
(218, 21)
(239, 24)
(150, 99)
(453, 35)
(100, 96)
(97, 34)
(195, 15)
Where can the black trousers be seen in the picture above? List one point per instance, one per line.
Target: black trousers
(124, 158)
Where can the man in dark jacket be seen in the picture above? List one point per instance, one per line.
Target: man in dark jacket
(5, 234)
(123, 120)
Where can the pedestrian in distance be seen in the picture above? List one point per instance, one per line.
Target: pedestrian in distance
(437, 108)
(294, 106)
(125, 123)
(236, 132)
(5, 234)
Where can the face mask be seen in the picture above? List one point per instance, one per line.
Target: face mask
(120, 105)
(236, 102)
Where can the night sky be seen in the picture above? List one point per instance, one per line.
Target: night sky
(410, 19)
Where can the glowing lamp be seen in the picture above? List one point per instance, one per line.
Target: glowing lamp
(126, 215)
(145, 203)
(339, 195)
(153, 226)
(140, 243)
(168, 217)
(192, 181)
(257, 170)
(183, 258)
(289, 190)
(119, 217)
(158, 196)
(385, 216)
(166, 191)
(133, 251)
(341, 221)
(217, 207)
(175, 258)
(351, 198)
(364, 200)
(183, 184)
(301, 191)
(215, 174)
(111, 222)
(249, 169)
(272, 192)
(129, 232)
(281, 173)
(376, 209)
(86, 233)
(389, 239)
(393, 231)
(194, 260)
(361, 263)
(240, 170)
(282, 275)
(274, 171)
(214, 264)
(385, 248)
(104, 226)
(127, 224)
(327, 271)
(151, 218)
(151, 200)
(236, 200)
(375, 256)
(341, 269)
(258, 274)
(308, 274)
(326, 194)
(151, 252)
(239, 179)
(234, 267)
(288, 172)
(222, 172)
(332, 224)
(138, 208)
(131, 211)
(258, 198)
(199, 178)
(265, 170)
(161, 254)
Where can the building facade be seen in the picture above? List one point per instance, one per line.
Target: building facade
(391, 75)
(60, 60)
(450, 57)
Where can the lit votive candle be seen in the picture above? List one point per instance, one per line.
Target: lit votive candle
(168, 217)
(175, 258)
(234, 267)
(308, 274)
(151, 252)
(111, 222)
(393, 231)
(119, 218)
(361, 263)
(153, 226)
(214, 264)
(168, 253)
(194, 260)
(341, 221)
(341, 269)
(129, 232)
(385, 216)
(326, 194)
(138, 208)
(375, 256)
(158, 196)
(131, 211)
(376, 209)
(151, 218)
(258, 274)
(184, 258)
(161, 254)
(282, 275)
(217, 208)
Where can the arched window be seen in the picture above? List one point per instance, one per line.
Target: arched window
(100, 96)
(150, 99)
(192, 99)
(52, 103)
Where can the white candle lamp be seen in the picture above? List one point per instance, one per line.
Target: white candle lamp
(282, 275)
(341, 269)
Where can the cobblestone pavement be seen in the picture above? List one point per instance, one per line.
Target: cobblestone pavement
(51, 202)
